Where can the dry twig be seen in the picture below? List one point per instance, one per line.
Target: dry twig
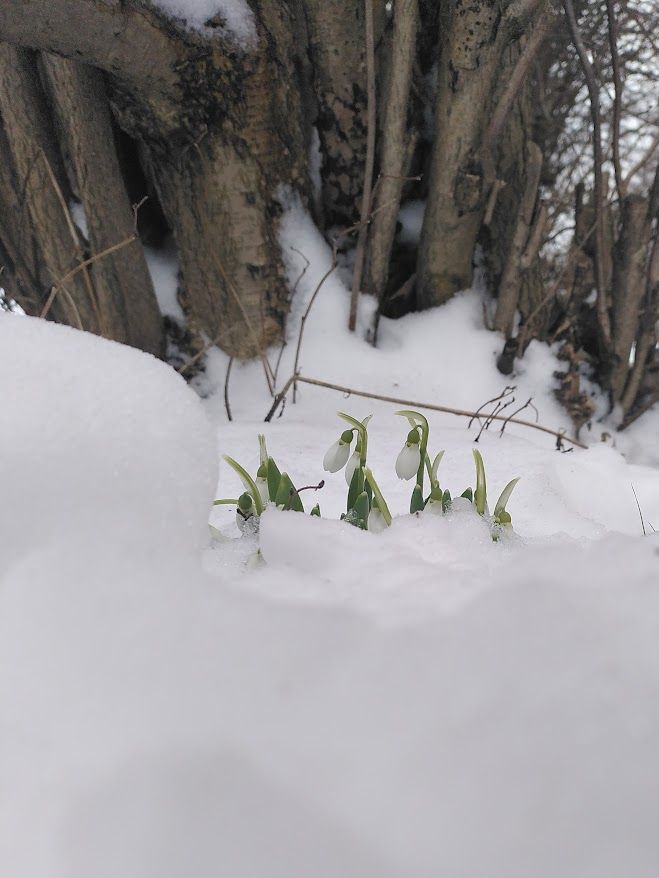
(351, 391)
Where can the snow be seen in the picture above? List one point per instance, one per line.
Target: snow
(163, 268)
(411, 220)
(235, 16)
(419, 702)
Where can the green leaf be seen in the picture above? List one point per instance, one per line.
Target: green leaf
(435, 467)
(356, 487)
(446, 500)
(247, 481)
(416, 503)
(504, 497)
(413, 417)
(468, 494)
(315, 511)
(263, 451)
(287, 496)
(361, 510)
(358, 425)
(229, 501)
(273, 477)
(381, 502)
(480, 496)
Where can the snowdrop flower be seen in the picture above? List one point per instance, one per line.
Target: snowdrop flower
(376, 521)
(353, 463)
(409, 459)
(337, 455)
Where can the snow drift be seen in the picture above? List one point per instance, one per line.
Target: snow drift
(158, 721)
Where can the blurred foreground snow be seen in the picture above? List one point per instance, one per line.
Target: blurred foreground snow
(417, 703)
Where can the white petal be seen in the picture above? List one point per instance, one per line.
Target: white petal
(376, 522)
(336, 457)
(407, 462)
(353, 463)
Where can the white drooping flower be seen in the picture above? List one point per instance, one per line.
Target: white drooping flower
(376, 521)
(408, 461)
(262, 485)
(336, 456)
(353, 463)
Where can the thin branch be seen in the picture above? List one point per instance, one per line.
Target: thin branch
(640, 513)
(226, 390)
(81, 267)
(92, 259)
(643, 160)
(507, 390)
(617, 101)
(529, 402)
(200, 353)
(512, 89)
(360, 252)
(603, 318)
(351, 391)
(303, 321)
(77, 250)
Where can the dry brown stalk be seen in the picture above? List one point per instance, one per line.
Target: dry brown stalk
(462, 413)
(603, 318)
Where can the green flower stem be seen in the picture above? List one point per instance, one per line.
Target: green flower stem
(382, 504)
(360, 426)
(227, 502)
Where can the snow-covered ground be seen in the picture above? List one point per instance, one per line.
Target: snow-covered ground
(420, 702)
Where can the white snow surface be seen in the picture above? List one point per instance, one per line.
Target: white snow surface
(236, 16)
(421, 702)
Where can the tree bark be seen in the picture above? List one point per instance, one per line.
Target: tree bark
(509, 288)
(395, 145)
(127, 304)
(44, 244)
(471, 66)
(223, 129)
(337, 42)
(629, 286)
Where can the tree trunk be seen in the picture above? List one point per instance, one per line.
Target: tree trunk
(223, 128)
(41, 241)
(338, 56)
(396, 144)
(471, 69)
(629, 286)
(128, 309)
(513, 273)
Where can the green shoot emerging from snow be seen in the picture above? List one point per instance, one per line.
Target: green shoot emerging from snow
(366, 507)
(269, 487)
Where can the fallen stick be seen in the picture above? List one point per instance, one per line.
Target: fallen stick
(462, 413)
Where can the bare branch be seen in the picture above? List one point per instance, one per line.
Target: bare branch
(603, 318)
(412, 404)
(360, 252)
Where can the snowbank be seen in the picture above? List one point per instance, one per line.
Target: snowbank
(97, 439)
(421, 702)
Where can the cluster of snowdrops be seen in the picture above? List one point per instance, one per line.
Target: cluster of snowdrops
(366, 507)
